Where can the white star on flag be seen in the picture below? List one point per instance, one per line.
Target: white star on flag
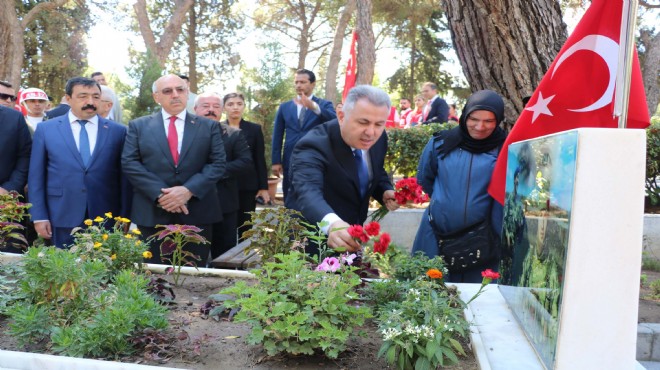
(541, 106)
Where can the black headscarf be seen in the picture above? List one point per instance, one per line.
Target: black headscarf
(459, 137)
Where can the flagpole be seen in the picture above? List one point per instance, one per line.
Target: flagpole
(624, 69)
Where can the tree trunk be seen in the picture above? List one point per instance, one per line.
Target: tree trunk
(413, 51)
(366, 44)
(162, 48)
(650, 66)
(303, 46)
(335, 54)
(192, 49)
(506, 45)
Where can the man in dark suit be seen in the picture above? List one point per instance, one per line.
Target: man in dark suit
(15, 146)
(75, 170)
(60, 110)
(337, 167)
(295, 118)
(436, 108)
(174, 160)
(239, 162)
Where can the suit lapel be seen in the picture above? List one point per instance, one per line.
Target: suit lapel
(189, 132)
(101, 139)
(64, 127)
(157, 128)
(344, 155)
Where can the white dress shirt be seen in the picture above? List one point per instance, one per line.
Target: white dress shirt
(92, 128)
(179, 124)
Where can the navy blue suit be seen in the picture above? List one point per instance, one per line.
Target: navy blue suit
(324, 176)
(15, 146)
(439, 111)
(287, 121)
(64, 191)
(60, 110)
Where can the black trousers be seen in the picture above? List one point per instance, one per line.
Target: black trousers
(224, 235)
(200, 250)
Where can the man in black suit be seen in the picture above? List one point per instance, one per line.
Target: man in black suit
(15, 146)
(62, 109)
(338, 166)
(436, 108)
(239, 162)
(174, 160)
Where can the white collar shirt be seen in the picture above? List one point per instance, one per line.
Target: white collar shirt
(92, 128)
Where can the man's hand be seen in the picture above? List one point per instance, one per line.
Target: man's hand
(264, 195)
(43, 229)
(306, 102)
(174, 199)
(277, 170)
(3, 191)
(341, 238)
(390, 200)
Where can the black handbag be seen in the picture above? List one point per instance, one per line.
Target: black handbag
(467, 248)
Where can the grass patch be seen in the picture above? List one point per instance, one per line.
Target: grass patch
(650, 264)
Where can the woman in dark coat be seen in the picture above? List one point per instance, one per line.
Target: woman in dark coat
(255, 183)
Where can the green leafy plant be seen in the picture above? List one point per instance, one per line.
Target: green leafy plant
(10, 275)
(298, 310)
(404, 147)
(274, 230)
(655, 289)
(174, 239)
(650, 263)
(105, 240)
(411, 267)
(12, 212)
(384, 262)
(653, 161)
(67, 299)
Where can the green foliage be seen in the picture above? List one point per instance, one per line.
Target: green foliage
(420, 329)
(385, 263)
(655, 289)
(10, 275)
(405, 147)
(67, 300)
(274, 230)
(650, 263)
(174, 239)
(99, 241)
(297, 310)
(411, 267)
(12, 211)
(144, 67)
(653, 161)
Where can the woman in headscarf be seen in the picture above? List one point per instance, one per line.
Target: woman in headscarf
(455, 170)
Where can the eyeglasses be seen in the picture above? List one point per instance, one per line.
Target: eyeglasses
(169, 91)
(7, 96)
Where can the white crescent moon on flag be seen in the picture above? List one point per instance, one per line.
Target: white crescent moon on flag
(607, 49)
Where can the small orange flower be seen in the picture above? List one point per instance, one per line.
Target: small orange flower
(434, 274)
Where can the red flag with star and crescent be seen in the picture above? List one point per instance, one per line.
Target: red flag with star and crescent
(576, 91)
(351, 69)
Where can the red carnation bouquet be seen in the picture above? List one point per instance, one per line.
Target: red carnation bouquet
(406, 191)
(371, 232)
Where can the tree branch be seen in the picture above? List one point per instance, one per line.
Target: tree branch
(645, 4)
(29, 17)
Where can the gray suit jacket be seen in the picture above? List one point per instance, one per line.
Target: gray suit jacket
(148, 164)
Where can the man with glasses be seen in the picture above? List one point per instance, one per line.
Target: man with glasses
(106, 103)
(174, 159)
(7, 95)
(115, 113)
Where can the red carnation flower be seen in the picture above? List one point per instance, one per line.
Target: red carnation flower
(490, 274)
(372, 228)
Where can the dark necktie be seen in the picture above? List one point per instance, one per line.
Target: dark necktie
(83, 143)
(363, 174)
(301, 117)
(173, 140)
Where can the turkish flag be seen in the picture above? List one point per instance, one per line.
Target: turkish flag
(351, 69)
(578, 89)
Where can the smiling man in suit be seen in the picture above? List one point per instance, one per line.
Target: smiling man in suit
(174, 160)
(294, 119)
(337, 167)
(75, 166)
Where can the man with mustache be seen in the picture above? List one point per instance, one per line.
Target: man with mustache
(75, 166)
(239, 161)
(174, 161)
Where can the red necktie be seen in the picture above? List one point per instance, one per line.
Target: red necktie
(173, 140)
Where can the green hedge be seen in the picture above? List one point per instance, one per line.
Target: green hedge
(405, 147)
(653, 161)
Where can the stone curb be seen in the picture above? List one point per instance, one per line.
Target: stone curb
(648, 342)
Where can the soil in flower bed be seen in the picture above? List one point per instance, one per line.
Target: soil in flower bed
(649, 308)
(211, 344)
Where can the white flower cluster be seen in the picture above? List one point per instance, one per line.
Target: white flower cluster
(418, 331)
(390, 333)
(415, 293)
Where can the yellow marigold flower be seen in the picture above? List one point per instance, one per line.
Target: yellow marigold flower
(117, 218)
(104, 237)
(98, 245)
(113, 257)
(137, 243)
(89, 222)
(136, 231)
(434, 274)
(108, 215)
(98, 219)
(128, 236)
(124, 219)
(147, 254)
